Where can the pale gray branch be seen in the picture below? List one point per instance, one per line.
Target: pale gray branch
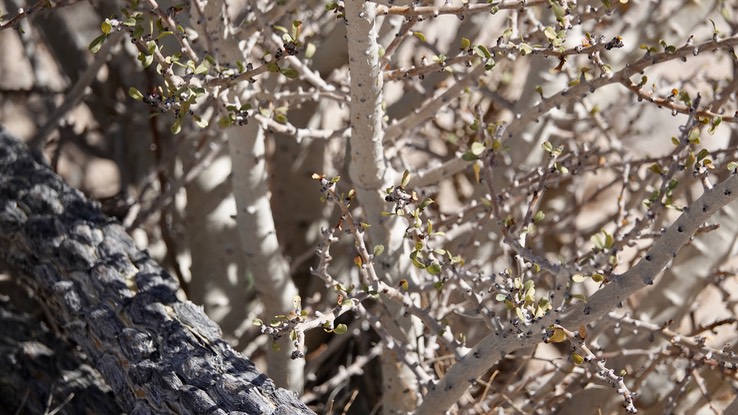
(496, 345)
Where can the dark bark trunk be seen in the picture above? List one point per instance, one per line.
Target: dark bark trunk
(158, 354)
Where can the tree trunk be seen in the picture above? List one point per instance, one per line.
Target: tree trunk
(158, 354)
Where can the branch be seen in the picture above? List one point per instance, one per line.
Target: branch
(496, 345)
(368, 166)
(255, 222)
(157, 353)
(585, 87)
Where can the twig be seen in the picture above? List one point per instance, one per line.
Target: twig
(74, 96)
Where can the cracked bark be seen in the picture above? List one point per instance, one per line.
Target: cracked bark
(157, 354)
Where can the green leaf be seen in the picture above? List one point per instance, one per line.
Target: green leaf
(690, 159)
(378, 249)
(530, 295)
(577, 359)
(702, 154)
(224, 122)
(543, 305)
(135, 94)
(138, 31)
(202, 68)
(578, 278)
(151, 46)
(520, 314)
(146, 60)
(550, 33)
(547, 146)
(106, 27)
(465, 43)
(419, 35)
(539, 216)
(477, 148)
(257, 322)
(177, 126)
(405, 178)
(482, 51)
(416, 262)
(280, 118)
(609, 240)
(201, 122)
(557, 336)
(164, 34)
(96, 43)
(469, 156)
(579, 297)
(440, 58)
(310, 49)
(296, 29)
(434, 268)
(290, 72)
(714, 124)
(656, 168)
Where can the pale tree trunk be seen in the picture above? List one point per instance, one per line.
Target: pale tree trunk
(254, 214)
(218, 280)
(370, 175)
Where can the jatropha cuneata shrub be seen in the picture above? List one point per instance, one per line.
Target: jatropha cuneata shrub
(473, 207)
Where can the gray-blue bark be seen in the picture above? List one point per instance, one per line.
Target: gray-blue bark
(157, 354)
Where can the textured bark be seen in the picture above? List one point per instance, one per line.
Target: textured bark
(158, 354)
(35, 364)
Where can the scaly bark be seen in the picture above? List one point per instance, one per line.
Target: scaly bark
(158, 354)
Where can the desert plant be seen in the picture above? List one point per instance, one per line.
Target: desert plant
(513, 206)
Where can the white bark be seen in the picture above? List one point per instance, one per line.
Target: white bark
(370, 175)
(255, 222)
(218, 280)
(368, 168)
(259, 240)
